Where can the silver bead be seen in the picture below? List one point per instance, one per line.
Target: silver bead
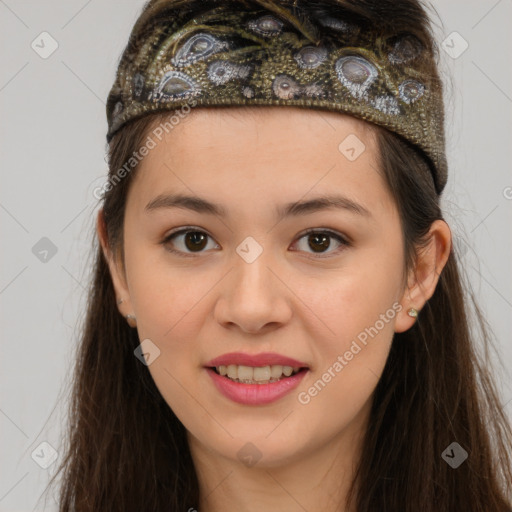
(356, 74)
(175, 85)
(198, 47)
(267, 25)
(310, 57)
(411, 90)
(285, 87)
(222, 71)
(405, 48)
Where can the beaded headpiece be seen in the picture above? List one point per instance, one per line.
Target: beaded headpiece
(270, 52)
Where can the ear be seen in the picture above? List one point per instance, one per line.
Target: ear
(423, 278)
(117, 272)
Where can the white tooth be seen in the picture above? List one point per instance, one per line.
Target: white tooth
(256, 374)
(276, 371)
(245, 372)
(262, 373)
(232, 371)
(287, 370)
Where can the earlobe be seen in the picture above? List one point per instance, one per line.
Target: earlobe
(424, 277)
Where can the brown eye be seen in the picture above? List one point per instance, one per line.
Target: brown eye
(195, 240)
(186, 241)
(320, 241)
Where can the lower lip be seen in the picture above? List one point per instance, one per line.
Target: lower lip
(255, 394)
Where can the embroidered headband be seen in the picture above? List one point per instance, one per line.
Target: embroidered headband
(264, 52)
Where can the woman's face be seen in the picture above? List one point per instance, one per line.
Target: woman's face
(250, 279)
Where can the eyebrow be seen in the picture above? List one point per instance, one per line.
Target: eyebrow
(201, 205)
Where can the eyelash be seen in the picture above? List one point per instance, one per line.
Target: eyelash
(188, 229)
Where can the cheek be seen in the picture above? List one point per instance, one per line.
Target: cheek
(351, 300)
(171, 304)
(164, 294)
(356, 331)
(170, 313)
(358, 309)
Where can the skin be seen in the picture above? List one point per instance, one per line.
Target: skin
(290, 300)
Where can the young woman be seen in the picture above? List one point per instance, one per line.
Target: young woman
(277, 320)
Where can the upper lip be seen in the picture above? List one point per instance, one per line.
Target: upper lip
(263, 359)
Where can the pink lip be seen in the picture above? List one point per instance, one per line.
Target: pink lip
(263, 359)
(255, 394)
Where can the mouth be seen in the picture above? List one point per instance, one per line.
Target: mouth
(257, 374)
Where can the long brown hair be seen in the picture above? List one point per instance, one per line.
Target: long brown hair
(126, 450)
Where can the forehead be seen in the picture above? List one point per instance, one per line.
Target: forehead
(276, 152)
(277, 128)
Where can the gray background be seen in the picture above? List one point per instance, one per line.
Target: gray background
(53, 144)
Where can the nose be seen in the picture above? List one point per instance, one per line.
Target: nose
(254, 296)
